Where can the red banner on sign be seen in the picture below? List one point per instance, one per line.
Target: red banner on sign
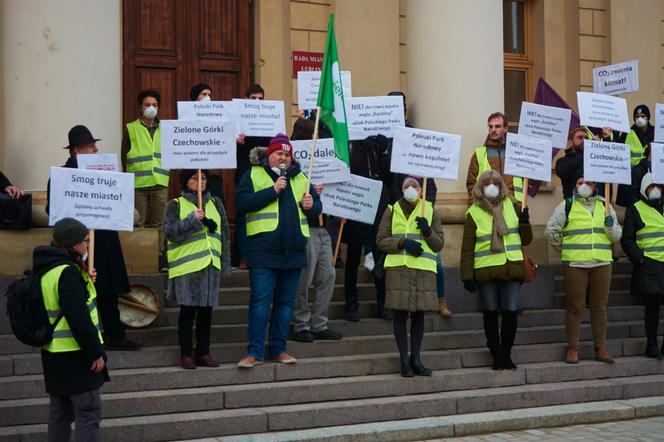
(307, 61)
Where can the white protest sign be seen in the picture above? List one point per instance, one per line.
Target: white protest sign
(528, 157)
(425, 153)
(98, 199)
(657, 162)
(261, 118)
(659, 122)
(605, 162)
(198, 144)
(327, 168)
(597, 110)
(369, 116)
(98, 161)
(617, 78)
(356, 199)
(546, 122)
(206, 110)
(308, 83)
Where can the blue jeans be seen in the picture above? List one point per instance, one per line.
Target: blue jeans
(440, 277)
(240, 243)
(500, 294)
(270, 286)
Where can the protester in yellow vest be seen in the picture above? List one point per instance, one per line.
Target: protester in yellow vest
(411, 240)
(198, 256)
(277, 201)
(491, 156)
(492, 261)
(643, 242)
(581, 230)
(141, 155)
(74, 361)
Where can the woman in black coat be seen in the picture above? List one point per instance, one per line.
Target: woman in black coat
(642, 240)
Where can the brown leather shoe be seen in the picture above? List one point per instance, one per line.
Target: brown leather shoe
(187, 362)
(285, 358)
(206, 361)
(442, 308)
(249, 362)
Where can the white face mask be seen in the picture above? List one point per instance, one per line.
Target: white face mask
(491, 191)
(205, 98)
(655, 194)
(411, 194)
(150, 112)
(641, 122)
(85, 256)
(584, 190)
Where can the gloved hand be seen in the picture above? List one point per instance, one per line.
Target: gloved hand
(210, 224)
(423, 225)
(524, 216)
(470, 285)
(413, 247)
(608, 221)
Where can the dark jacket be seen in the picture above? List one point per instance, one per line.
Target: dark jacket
(4, 182)
(285, 247)
(648, 274)
(68, 373)
(243, 151)
(112, 278)
(569, 168)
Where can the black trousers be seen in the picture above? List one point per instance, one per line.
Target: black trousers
(110, 316)
(203, 317)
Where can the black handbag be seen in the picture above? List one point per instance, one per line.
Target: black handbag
(15, 213)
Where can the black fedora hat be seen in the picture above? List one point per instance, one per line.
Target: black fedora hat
(79, 136)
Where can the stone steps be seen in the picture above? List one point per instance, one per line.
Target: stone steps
(310, 404)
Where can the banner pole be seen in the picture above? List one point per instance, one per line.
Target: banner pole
(424, 195)
(524, 204)
(200, 191)
(336, 248)
(607, 198)
(91, 250)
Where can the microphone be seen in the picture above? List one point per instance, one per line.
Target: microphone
(282, 169)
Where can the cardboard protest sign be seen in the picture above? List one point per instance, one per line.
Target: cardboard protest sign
(425, 153)
(207, 110)
(198, 144)
(261, 118)
(308, 83)
(657, 162)
(605, 162)
(597, 110)
(98, 199)
(327, 168)
(659, 122)
(98, 161)
(617, 78)
(545, 122)
(356, 199)
(528, 157)
(369, 116)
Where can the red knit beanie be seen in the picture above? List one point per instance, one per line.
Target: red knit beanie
(280, 142)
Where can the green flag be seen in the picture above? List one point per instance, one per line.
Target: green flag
(331, 96)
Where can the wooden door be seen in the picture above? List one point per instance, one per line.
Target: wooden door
(170, 45)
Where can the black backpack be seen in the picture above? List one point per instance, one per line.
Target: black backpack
(27, 312)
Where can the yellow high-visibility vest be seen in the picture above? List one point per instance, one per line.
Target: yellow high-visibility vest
(636, 149)
(484, 256)
(650, 239)
(63, 339)
(267, 218)
(403, 227)
(144, 157)
(584, 237)
(201, 248)
(483, 162)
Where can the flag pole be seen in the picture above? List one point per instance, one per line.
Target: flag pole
(312, 149)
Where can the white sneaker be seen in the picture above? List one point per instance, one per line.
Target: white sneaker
(369, 263)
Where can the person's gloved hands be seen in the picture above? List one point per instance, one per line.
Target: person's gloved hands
(470, 285)
(210, 224)
(423, 225)
(608, 221)
(524, 216)
(413, 247)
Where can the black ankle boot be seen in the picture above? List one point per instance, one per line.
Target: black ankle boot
(406, 369)
(652, 349)
(352, 307)
(418, 368)
(507, 362)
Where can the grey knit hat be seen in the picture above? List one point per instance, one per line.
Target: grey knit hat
(68, 232)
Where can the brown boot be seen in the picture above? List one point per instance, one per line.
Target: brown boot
(442, 308)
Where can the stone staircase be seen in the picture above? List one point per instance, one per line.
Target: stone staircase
(352, 381)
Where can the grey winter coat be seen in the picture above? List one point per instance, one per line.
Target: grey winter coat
(199, 289)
